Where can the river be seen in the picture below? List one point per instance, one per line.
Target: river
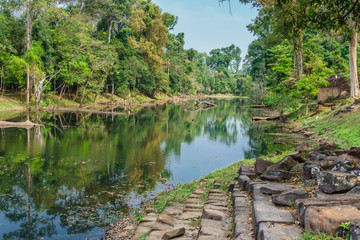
(79, 173)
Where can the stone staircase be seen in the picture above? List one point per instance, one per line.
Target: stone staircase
(204, 215)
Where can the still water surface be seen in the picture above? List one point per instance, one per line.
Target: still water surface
(80, 172)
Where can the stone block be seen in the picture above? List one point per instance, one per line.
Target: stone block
(288, 198)
(275, 188)
(243, 182)
(355, 231)
(269, 231)
(285, 164)
(327, 219)
(332, 200)
(166, 219)
(332, 182)
(177, 232)
(214, 215)
(261, 165)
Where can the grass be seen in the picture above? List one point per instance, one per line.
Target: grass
(342, 129)
(10, 103)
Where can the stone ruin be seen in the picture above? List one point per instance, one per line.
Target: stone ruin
(338, 87)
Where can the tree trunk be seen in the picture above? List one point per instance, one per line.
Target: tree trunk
(298, 54)
(354, 82)
(60, 95)
(307, 106)
(2, 81)
(109, 31)
(27, 51)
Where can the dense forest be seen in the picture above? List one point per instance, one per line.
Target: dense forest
(116, 46)
(125, 47)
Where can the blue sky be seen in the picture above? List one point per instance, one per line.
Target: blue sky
(208, 26)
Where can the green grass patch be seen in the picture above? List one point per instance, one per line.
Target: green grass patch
(8, 103)
(343, 129)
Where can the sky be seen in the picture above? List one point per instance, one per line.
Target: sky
(208, 25)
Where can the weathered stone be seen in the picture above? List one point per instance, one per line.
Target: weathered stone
(193, 201)
(166, 219)
(214, 207)
(286, 175)
(355, 231)
(206, 237)
(271, 178)
(308, 172)
(331, 200)
(192, 214)
(330, 182)
(354, 151)
(160, 227)
(288, 198)
(265, 211)
(155, 235)
(355, 190)
(140, 231)
(177, 232)
(247, 170)
(297, 157)
(275, 188)
(214, 224)
(269, 231)
(215, 232)
(327, 219)
(243, 182)
(316, 156)
(172, 210)
(261, 165)
(214, 214)
(285, 164)
(232, 186)
(215, 191)
(199, 191)
(149, 218)
(193, 205)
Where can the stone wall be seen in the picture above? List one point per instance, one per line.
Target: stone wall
(337, 85)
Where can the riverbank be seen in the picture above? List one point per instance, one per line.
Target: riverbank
(11, 103)
(332, 125)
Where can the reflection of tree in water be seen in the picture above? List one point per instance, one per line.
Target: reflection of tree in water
(83, 166)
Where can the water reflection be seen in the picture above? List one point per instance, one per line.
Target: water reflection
(80, 172)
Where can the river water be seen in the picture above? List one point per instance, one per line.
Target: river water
(79, 173)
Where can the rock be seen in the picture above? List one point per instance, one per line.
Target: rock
(261, 165)
(160, 227)
(275, 188)
(247, 170)
(177, 232)
(297, 157)
(190, 214)
(286, 164)
(286, 175)
(265, 211)
(354, 151)
(271, 178)
(214, 224)
(269, 231)
(329, 200)
(303, 148)
(310, 171)
(232, 186)
(355, 190)
(172, 210)
(288, 198)
(243, 182)
(166, 219)
(316, 156)
(355, 231)
(331, 182)
(214, 232)
(327, 219)
(328, 146)
(214, 215)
